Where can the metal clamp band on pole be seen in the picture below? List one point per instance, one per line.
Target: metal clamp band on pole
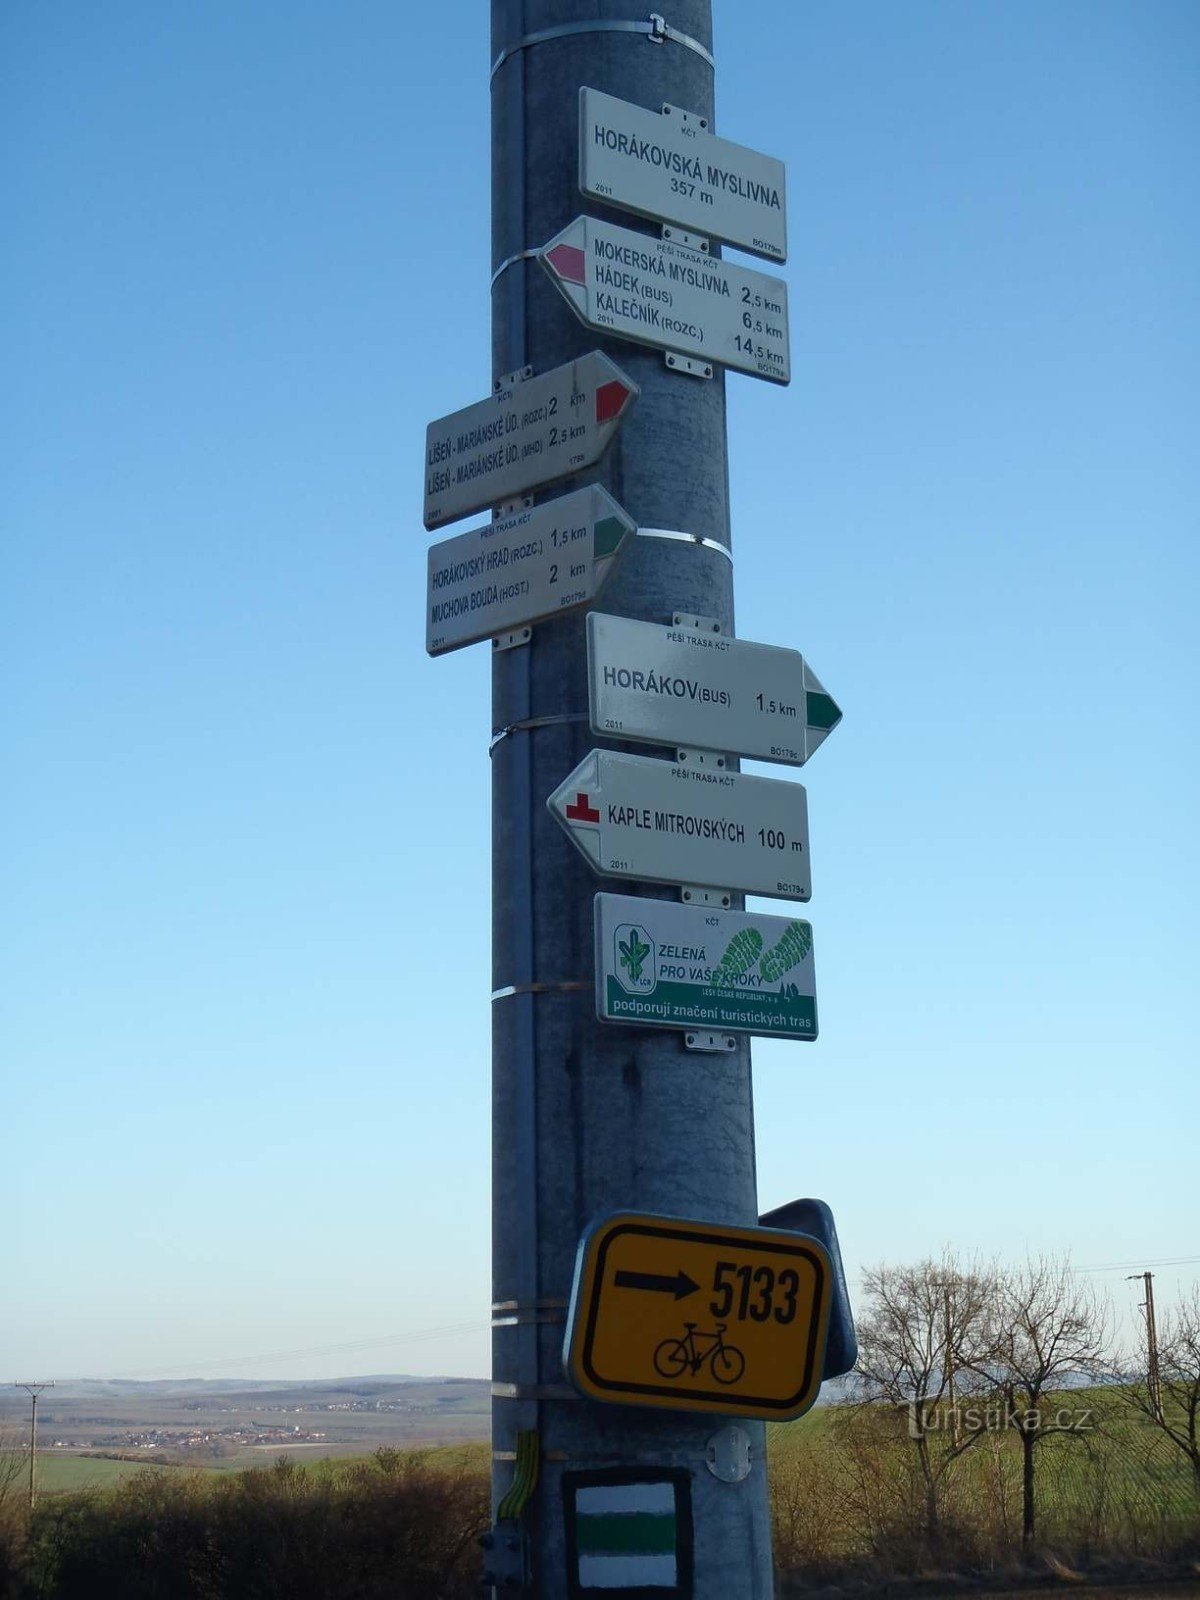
(511, 261)
(568, 986)
(688, 538)
(515, 1319)
(534, 1391)
(499, 734)
(657, 30)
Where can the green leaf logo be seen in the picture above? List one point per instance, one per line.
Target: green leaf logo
(633, 955)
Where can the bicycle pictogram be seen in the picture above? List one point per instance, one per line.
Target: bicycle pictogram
(674, 1357)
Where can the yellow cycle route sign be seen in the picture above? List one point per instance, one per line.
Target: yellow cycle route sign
(694, 1316)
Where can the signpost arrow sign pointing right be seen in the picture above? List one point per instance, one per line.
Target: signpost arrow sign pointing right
(691, 687)
(680, 1285)
(525, 435)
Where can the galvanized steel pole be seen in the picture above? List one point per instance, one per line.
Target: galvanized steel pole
(589, 1119)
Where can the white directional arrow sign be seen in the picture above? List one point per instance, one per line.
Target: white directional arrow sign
(524, 568)
(523, 436)
(657, 292)
(691, 686)
(668, 822)
(665, 164)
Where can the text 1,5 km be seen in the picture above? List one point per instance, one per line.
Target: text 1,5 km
(775, 708)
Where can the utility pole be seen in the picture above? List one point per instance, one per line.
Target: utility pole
(589, 1120)
(1153, 1376)
(948, 1336)
(33, 1390)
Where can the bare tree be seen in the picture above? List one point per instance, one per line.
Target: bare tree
(1046, 1331)
(1173, 1404)
(922, 1348)
(14, 1464)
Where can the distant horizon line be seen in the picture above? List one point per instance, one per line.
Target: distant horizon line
(348, 1377)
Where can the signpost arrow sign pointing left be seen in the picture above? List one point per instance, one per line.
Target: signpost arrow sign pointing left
(661, 293)
(665, 822)
(680, 1285)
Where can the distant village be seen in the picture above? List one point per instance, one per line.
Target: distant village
(219, 1439)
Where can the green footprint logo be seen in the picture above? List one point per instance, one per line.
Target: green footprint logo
(742, 952)
(788, 953)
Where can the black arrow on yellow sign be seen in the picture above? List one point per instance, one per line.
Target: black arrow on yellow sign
(680, 1285)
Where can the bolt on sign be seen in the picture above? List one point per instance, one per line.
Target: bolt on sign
(660, 293)
(695, 1316)
(665, 965)
(667, 166)
(521, 569)
(525, 435)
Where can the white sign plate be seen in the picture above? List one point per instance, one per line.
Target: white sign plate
(664, 165)
(667, 822)
(657, 292)
(522, 568)
(521, 437)
(685, 686)
(664, 965)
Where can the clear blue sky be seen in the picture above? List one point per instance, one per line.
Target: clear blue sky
(244, 1029)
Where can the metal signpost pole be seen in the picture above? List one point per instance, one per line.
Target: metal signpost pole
(591, 1119)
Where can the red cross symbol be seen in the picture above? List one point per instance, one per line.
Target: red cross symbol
(581, 809)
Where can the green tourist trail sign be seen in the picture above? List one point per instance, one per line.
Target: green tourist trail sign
(662, 964)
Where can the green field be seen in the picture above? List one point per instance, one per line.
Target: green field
(59, 1471)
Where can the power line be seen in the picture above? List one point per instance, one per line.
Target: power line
(1123, 1266)
(421, 1335)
